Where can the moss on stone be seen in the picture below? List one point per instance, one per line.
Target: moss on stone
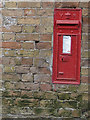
(79, 98)
(73, 104)
(38, 110)
(25, 96)
(64, 96)
(5, 94)
(23, 103)
(57, 104)
(53, 111)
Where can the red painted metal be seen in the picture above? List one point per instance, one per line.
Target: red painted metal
(66, 65)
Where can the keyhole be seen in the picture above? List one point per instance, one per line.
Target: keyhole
(62, 59)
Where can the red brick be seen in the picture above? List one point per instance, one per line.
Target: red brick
(11, 45)
(27, 45)
(84, 4)
(27, 61)
(45, 37)
(47, 4)
(45, 87)
(58, 4)
(66, 4)
(84, 79)
(29, 12)
(85, 20)
(84, 29)
(44, 70)
(84, 37)
(43, 45)
(70, 4)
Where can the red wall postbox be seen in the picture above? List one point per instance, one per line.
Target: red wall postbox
(67, 46)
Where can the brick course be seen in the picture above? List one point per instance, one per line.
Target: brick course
(28, 91)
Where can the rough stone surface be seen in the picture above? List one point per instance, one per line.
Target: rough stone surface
(26, 64)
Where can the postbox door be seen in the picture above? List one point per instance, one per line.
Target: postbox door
(67, 57)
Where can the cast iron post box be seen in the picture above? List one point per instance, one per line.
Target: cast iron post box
(67, 46)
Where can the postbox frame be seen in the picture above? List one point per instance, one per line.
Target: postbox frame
(55, 47)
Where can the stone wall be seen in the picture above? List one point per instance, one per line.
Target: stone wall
(27, 48)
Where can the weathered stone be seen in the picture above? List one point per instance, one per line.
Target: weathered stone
(27, 102)
(28, 4)
(38, 95)
(45, 87)
(64, 113)
(42, 78)
(76, 113)
(50, 95)
(40, 62)
(27, 86)
(9, 85)
(11, 77)
(30, 21)
(45, 53)
(83, 88)
(29, 12)
(10, 4)
(9, 36)
(10, 53)
(27, 77)
(29, 29)
(26, 94)
(22, 69)
(9, 69)
(46, 103)
(11, 93)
